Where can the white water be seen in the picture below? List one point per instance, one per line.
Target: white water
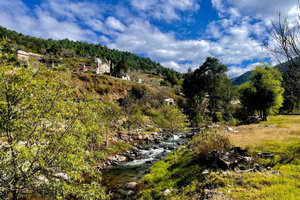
(149, 156)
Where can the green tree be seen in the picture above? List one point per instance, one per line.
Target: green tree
(172, 120)
(135, 120)
(209, 79)
(121, 68)
(43, 146)
(110, 113)
(263, 93)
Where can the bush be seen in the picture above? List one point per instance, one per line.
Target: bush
(213, 141)
(218, 117)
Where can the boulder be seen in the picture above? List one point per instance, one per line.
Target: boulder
(61, 176)
(130, 193)
(205, 172)
(131, 185)
(229, 159)
(166, 192)
(149, 161)
(120, 158)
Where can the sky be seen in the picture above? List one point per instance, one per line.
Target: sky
(177, 33)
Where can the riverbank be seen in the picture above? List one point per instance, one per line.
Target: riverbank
(276, 176)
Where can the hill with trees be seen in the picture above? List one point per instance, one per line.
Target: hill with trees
(69, 49)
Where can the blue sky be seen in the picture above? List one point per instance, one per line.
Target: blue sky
(177, 33)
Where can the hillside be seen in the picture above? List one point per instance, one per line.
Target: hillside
(245, 77)
(75, 51)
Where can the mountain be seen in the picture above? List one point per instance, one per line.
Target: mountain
(283, 67)
(241, 79)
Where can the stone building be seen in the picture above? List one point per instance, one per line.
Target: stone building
(23, 56)
(102, 67)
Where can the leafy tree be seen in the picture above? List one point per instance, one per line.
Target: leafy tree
(263, 93)
(110, 113)
(209, 79)
(135, 120)
(7, 55)
(94, 125)
(171, 119)
(43, 146)
(121, 68)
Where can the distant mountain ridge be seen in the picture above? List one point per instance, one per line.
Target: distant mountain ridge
(236, 81)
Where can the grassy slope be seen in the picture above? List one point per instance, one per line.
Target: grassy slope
(281, 136)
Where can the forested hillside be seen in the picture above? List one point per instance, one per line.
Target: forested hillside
(70, 49)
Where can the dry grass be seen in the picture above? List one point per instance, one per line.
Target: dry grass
(278, 128)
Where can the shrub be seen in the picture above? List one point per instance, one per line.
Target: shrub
(213, 141)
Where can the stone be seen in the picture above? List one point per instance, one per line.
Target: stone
(157, 140)
(265, 155)
(275, 172)
(140, 137)
(130, 193)
(205, 172)
(230, 129)
(61, 176)
(131, 185)
(149, 161)
(166, 192)
(229, 159)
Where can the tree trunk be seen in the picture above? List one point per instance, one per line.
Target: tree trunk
(107, 138)
(174, 147)
(14, 195)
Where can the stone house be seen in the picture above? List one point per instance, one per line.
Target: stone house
(102, 67)
(22, 56)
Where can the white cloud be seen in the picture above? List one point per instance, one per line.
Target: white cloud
(265, 10)
(233, 46)
(164, 9)
(40, 23)
(115, 24)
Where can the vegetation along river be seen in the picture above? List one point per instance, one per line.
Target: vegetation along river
(117, 178)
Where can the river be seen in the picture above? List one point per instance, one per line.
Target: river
(116, 178)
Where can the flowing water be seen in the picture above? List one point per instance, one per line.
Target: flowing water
(115, 178)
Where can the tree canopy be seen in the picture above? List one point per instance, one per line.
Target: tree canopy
(209, 79)
(263, 93)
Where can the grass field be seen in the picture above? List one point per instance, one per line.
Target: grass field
(277, 128)
(279, 135)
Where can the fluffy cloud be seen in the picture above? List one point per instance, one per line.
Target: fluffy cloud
(259, 9)
(41, 23)
(234, 47)
(115, 24)
(164, 9)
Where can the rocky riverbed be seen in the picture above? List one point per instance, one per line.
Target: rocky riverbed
(122, 171)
